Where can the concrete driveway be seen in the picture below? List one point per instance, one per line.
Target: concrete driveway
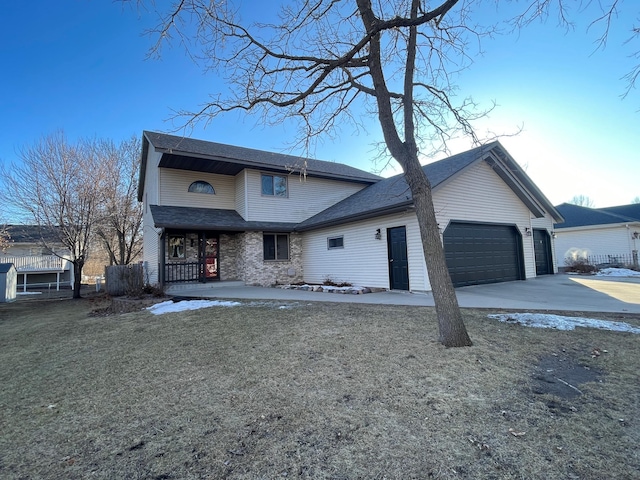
(550, 292)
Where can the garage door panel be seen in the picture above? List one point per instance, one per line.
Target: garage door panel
(482, 253)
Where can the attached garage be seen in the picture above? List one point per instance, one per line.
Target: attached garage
(478, 253)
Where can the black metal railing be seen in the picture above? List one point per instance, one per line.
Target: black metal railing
(183, 272)
(613, 260)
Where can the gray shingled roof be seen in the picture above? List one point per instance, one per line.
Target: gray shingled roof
(32, 234)
(392, 194)
(578, 216)
(189, 218)
(256, 158)
(631, 211)
(382, 197)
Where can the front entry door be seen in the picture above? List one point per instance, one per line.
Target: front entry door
(542, 251)
(209, 255)
(398, 262)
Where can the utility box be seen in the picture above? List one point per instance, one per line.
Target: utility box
(8, 282)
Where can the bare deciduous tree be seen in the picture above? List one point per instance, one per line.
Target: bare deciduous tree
(59, 184)
(397, 59)
(5, 238)
(582, 201)
(119, 227)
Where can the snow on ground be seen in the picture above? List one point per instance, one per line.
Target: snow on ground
(536, 320)
(170, 306)
(617, 272)
(540, 320)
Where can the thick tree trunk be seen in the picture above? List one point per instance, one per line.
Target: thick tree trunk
(77, 278)
(452, 330)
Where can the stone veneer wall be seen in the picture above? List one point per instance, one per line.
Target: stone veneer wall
(228, 254)
(254, 270)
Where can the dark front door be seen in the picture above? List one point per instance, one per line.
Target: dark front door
(398, 262)
(542, 250)
(209, 257)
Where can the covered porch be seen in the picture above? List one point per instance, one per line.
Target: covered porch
(190, 257)
(41, 270)
(205, 246)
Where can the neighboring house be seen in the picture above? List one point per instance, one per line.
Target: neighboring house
(219, 212)
(601, 236)
(39, 259)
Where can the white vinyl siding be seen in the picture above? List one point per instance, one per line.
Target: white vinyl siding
(612, 240)
(150, 249)
(150, 234)
(174, 185)
(478, 194)
(306, 197)
(151, 182)
(364, 260)
(546, 223)
(241, 194)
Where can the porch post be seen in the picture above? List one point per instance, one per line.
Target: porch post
(202, 256)
(161, 266)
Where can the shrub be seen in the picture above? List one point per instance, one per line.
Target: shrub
(328, 281)
(155, 290)
(579, 265)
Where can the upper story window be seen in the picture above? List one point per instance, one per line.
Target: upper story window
(275, 185)
(201, 186)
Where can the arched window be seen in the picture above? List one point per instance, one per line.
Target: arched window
(201, 187)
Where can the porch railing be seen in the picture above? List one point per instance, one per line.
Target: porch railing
(36, 263)
(183, 272)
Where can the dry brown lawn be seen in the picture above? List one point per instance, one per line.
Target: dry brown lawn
(316, 391)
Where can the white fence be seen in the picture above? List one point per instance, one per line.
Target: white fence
(37, 270)
(36, 263)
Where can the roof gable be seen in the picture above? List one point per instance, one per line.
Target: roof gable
(393, 194)
(6, 267)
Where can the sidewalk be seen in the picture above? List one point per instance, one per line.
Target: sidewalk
(550, 292)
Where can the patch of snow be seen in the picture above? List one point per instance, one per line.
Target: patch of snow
(28, 293)
(617, 272)
(559, 322)
(170, 306)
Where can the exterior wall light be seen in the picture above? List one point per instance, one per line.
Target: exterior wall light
(378, 234)
(527, 231)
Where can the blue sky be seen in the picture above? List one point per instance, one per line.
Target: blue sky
(81, 66)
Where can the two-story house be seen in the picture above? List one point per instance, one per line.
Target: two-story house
(220, 212)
